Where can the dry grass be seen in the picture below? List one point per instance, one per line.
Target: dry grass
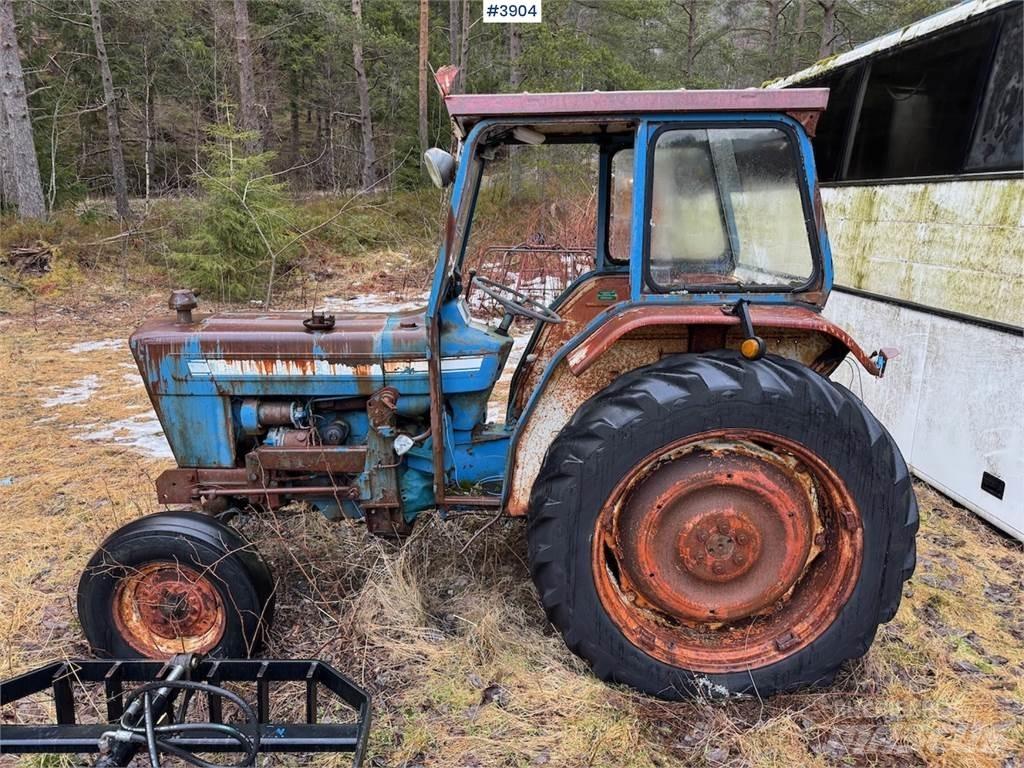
(454, 647)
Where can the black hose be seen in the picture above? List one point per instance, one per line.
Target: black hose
(160, 738)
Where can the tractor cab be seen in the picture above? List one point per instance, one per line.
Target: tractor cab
(701, 230)
(698, 195)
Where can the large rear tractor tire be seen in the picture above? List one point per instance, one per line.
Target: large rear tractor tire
(175, 582)
(713, 526)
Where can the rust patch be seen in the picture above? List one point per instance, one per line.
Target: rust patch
(323, 459)
(768, 321)
(562, 396)
(727, 550)
(166, 608)
(808, 118)
(386, 520)
(380, 408)
(181, 486)
(576, 310)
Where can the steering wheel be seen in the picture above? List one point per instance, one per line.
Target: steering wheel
(516, 302)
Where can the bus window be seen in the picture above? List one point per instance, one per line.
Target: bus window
(831, 134)
(919, 107)
(998, 143)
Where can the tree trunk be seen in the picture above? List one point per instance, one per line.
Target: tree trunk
(113, 121)
(453, 32)
(370, 173)
(248, 118)
(798, 35)
(515, 55)
(691, 37)
(21, 168)
(774, 8)
(148, 120)
(293, 114)
(7, 194)
(424, 125)
(828, 28)
(149, 123)
(464, 53)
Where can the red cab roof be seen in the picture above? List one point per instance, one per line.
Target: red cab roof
(468, 109)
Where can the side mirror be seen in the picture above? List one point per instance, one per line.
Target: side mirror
(440, 167)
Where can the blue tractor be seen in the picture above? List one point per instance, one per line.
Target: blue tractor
(707, 512)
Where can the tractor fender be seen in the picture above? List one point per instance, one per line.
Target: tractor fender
(639, 335)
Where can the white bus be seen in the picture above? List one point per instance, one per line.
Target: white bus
(920, 158)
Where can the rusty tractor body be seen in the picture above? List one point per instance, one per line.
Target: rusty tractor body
(704, 505)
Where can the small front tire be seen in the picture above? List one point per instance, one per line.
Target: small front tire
(175, 582)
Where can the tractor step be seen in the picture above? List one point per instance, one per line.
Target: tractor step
(146, 709)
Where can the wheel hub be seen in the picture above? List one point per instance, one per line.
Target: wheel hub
(719, 546)
(742, 526)
(166, 608)
(716, 551)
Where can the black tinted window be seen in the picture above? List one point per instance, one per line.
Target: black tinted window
(830, 137)
(944, 105)
(919, 107)
(999, 136)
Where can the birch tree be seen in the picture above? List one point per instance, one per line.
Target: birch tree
(113, 120)
(19, 164)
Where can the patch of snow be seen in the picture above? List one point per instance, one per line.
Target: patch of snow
(76, 394)
(142, 433)
(710, 690)
(93, 346)
(499, 396)
(374, 302)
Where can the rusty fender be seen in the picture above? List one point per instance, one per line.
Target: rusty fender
(641, 335)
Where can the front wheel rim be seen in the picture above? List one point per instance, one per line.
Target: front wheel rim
(727, 550)
(166, 608)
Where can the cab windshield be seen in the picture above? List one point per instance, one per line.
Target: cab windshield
(726, 209)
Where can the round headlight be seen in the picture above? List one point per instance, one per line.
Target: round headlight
(440, 167)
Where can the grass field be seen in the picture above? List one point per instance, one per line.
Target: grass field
(446, 631)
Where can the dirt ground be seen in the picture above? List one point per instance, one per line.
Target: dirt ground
(446, 631)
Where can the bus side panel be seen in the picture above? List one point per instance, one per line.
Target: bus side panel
(952, 399)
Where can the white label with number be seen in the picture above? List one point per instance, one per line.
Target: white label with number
(512, 12)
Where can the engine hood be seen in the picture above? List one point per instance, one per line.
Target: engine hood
(358, 337)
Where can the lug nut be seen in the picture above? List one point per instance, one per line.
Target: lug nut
(741, 538)
(723, 527)
(739, 559)
(718, 568)
(702, 536)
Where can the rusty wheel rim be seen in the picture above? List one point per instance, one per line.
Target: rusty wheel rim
(727, 550)
(166, 608)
